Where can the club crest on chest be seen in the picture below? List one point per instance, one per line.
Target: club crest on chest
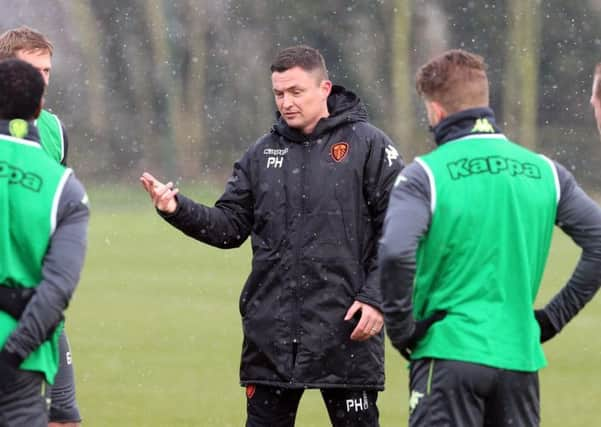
(339, 151)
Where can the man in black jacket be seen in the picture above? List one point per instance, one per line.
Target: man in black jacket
(312, 194)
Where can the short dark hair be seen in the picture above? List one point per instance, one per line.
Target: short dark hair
(303, 56)
(456, 79)
(21, 90)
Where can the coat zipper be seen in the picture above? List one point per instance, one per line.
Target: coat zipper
(296, 291)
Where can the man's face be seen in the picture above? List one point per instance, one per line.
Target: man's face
(596, 101)
(301, 97)
(40, 59)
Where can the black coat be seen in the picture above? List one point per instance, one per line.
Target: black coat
(314, 207)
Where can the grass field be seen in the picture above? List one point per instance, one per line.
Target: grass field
(156, 333)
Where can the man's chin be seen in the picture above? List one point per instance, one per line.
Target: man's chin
(294, 123)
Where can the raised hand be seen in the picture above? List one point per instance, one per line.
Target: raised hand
(162, 195)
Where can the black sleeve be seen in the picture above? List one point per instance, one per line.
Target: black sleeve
(381, 169)
(407, 220)
(65, 145)
(60, 272)
(229, 222)
(580, 218)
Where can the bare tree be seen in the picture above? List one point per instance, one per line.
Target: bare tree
(168, 121)
(192, 147)
(83, 17)
(520, 100)
(403, 119)
(177, 35)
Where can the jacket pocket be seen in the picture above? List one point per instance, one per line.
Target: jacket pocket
(257, 286)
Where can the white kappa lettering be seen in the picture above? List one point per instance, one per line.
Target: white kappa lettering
(400, 178)
(275, 151)
(391, 154)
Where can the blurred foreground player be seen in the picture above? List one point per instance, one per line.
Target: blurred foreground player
(43, 228)
(33, 47)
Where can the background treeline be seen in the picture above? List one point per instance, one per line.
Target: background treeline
(183, 87)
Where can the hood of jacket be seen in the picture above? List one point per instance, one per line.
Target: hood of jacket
(344, 106)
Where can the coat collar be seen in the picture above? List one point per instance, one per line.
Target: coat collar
(467, 122)
(344, 107)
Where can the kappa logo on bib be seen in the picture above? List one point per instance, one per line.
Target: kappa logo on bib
(414, 399)
(14, 175)
(339, 151)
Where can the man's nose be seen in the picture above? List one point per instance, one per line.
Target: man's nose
(287, 101)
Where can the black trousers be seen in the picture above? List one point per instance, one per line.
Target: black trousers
(24, 403)
(276, 407)
(459, 394)
(63, 407)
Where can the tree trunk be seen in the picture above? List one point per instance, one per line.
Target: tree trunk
(82, 15)
(193, 146)
(402, 121)
(520, 100)
(167, 100)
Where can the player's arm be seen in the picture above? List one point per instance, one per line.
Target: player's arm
(407, 220)
(226, 225)
(60, 274)
(580, 218)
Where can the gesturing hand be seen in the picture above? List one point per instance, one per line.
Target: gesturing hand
(162, 195)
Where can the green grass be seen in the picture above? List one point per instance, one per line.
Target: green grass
(156, 333)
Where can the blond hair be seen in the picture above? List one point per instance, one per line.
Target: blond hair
(23, 38)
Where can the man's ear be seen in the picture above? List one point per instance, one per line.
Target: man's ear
(436, 112)
(326, 88)
(441, 111)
